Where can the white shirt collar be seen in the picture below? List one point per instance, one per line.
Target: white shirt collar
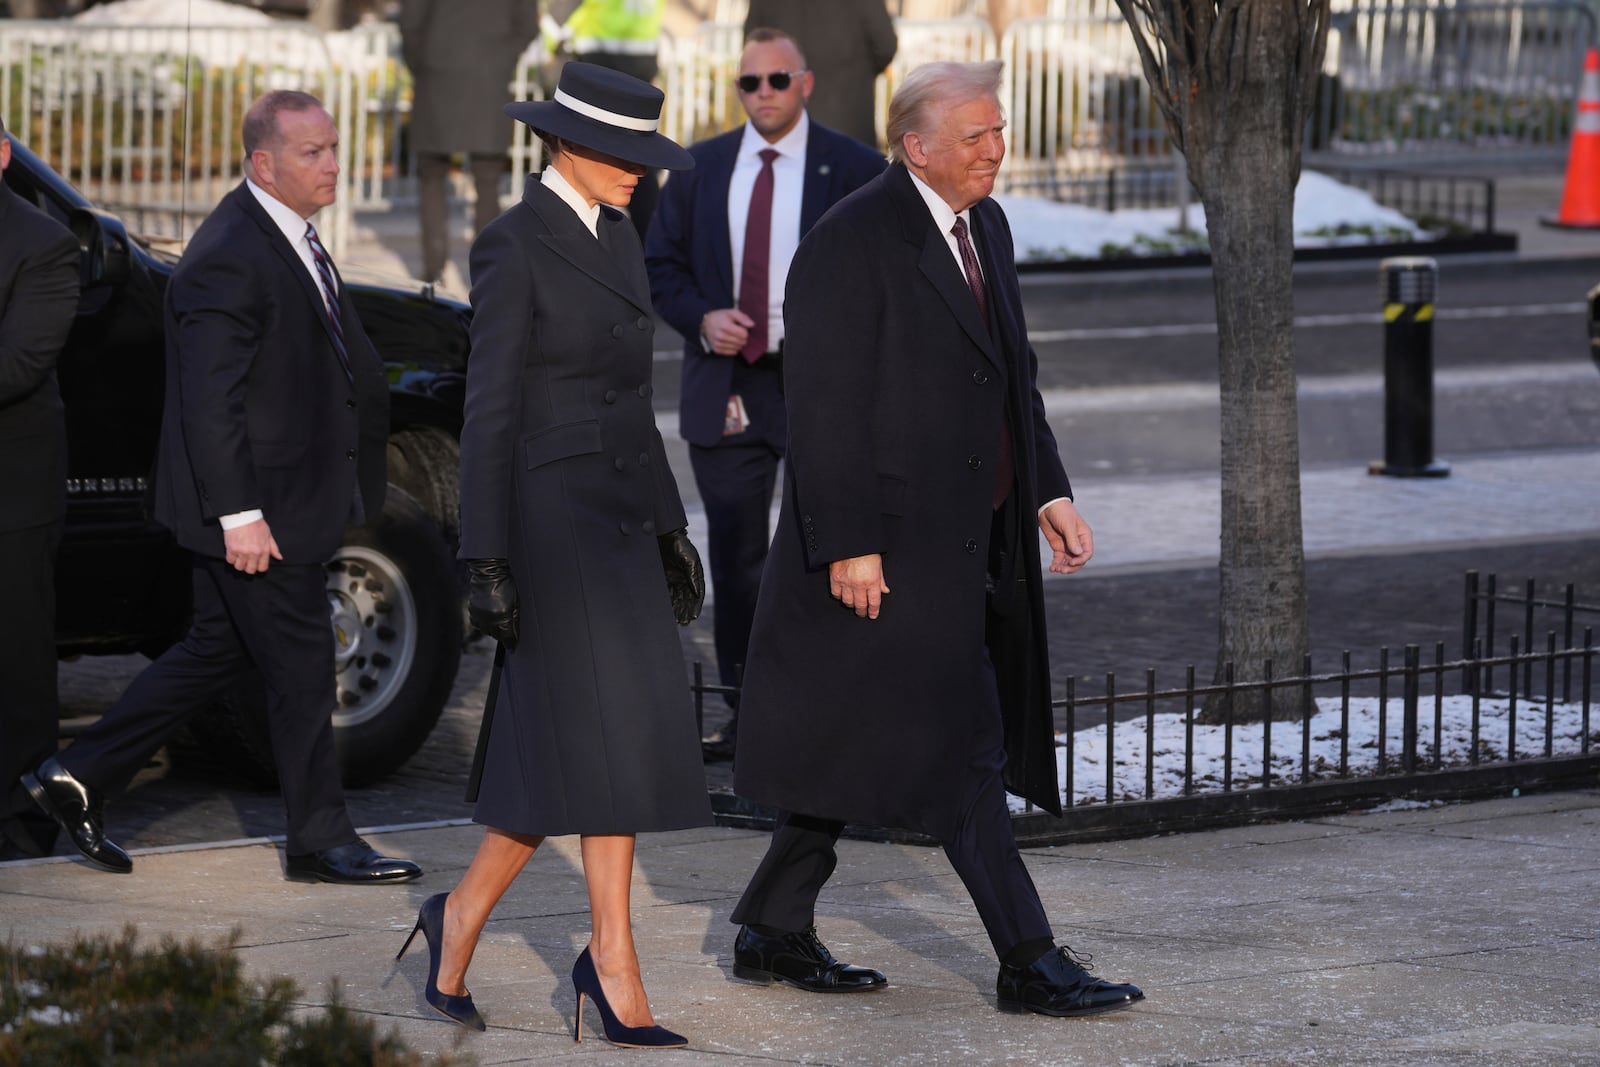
(943, 217)
(588, 213)
(791, 145)
(287, 218)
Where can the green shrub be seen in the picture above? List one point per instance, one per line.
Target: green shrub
(112, 1003)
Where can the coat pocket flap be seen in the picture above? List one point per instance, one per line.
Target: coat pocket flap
(560, 442)
(891, 493)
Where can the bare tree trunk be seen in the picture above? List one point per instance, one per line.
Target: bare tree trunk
(1263, 597)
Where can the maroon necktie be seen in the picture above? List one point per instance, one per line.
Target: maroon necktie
(757, 253)
(1005, 465)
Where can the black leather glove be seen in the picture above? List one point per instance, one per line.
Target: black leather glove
(492, 600)
(686, 579)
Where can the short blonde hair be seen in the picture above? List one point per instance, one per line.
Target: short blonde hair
(930, 90)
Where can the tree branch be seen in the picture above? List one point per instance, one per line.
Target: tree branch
(1163, 78)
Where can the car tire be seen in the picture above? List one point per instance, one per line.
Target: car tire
(396, 613)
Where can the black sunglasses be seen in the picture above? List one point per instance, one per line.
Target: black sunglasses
(778, 79)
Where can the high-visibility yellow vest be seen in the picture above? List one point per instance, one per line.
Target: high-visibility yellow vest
(628, 27)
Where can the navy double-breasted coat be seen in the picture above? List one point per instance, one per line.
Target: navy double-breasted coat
(563, 473)
(896, 387)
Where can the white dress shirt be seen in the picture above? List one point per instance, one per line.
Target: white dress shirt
(589, 213)
(788, 185)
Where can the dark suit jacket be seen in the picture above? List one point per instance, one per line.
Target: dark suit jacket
(259, 412)
(847, 43)
(895, 388)
(690, 258)
(38, 297)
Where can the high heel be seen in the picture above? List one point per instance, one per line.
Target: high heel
(587, 981)
(456, 1007)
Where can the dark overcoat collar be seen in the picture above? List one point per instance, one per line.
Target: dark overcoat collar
(596, 254)
(937, 264)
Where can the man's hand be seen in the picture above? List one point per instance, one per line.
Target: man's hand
(726, 330)
(1071, 540)
(858, 584)
(250, 547)
(492, 600)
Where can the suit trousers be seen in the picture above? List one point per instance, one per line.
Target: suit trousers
(277, 622)
(982, 850)
(736, 478)
(433, 204)
(29, 708)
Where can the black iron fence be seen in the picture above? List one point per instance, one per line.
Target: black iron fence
(1417, 726)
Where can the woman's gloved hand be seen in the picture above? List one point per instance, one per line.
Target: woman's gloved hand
(492, 600)
(686, 579)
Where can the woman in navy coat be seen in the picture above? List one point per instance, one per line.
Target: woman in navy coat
(573, 530)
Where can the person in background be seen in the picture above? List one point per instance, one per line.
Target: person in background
(574, 534)
(38, 299)
(898, 670)
(849, 43)
(752, 195)
(273, 435)
(462, 61)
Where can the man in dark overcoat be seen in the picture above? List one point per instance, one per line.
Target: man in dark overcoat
(898, 669)
(462, 59)
(849, 43)
(38, 298)
(273, 431)
(731, 406)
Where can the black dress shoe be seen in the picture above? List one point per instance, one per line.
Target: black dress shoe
(800, 960)
(1057, 984)
(77, 809)
(357, 863)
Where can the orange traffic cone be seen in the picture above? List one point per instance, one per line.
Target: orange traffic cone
(1580, 199)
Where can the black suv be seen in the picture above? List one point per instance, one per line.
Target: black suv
(122, 584)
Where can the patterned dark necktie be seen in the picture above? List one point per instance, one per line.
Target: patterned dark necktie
(753, 298)
(319, 256)
(1005, 465)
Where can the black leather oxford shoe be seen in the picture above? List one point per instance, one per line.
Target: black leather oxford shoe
(1057, 984)
(800, 960)
(357, 863)
(77, 809)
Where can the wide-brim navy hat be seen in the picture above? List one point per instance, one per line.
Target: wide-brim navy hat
(608, 111)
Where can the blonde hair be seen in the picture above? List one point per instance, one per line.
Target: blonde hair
(932, 89)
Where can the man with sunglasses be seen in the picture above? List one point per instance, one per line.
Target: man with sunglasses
(718, 253)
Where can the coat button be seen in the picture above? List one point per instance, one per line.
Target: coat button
(644, 459)
(619, 464)
(350, 453)
(974, 462)
(611, 396)
(644, 390)
(979, 378)
(351, 404)
(623, 527)
(647, 527)
(616, 331)
(643, 323)
(972, 546)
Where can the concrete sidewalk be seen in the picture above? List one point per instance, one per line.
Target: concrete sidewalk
(1461, 935)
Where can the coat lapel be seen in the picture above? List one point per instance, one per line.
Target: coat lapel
(938, 265)
(569, 238)
(281, 247)
(712, 210)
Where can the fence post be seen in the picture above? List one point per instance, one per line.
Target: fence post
(1469, 629)
(1408, 740)
(1409, 284)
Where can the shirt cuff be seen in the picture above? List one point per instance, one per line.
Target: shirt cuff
(1046, 504)
(240, 518)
